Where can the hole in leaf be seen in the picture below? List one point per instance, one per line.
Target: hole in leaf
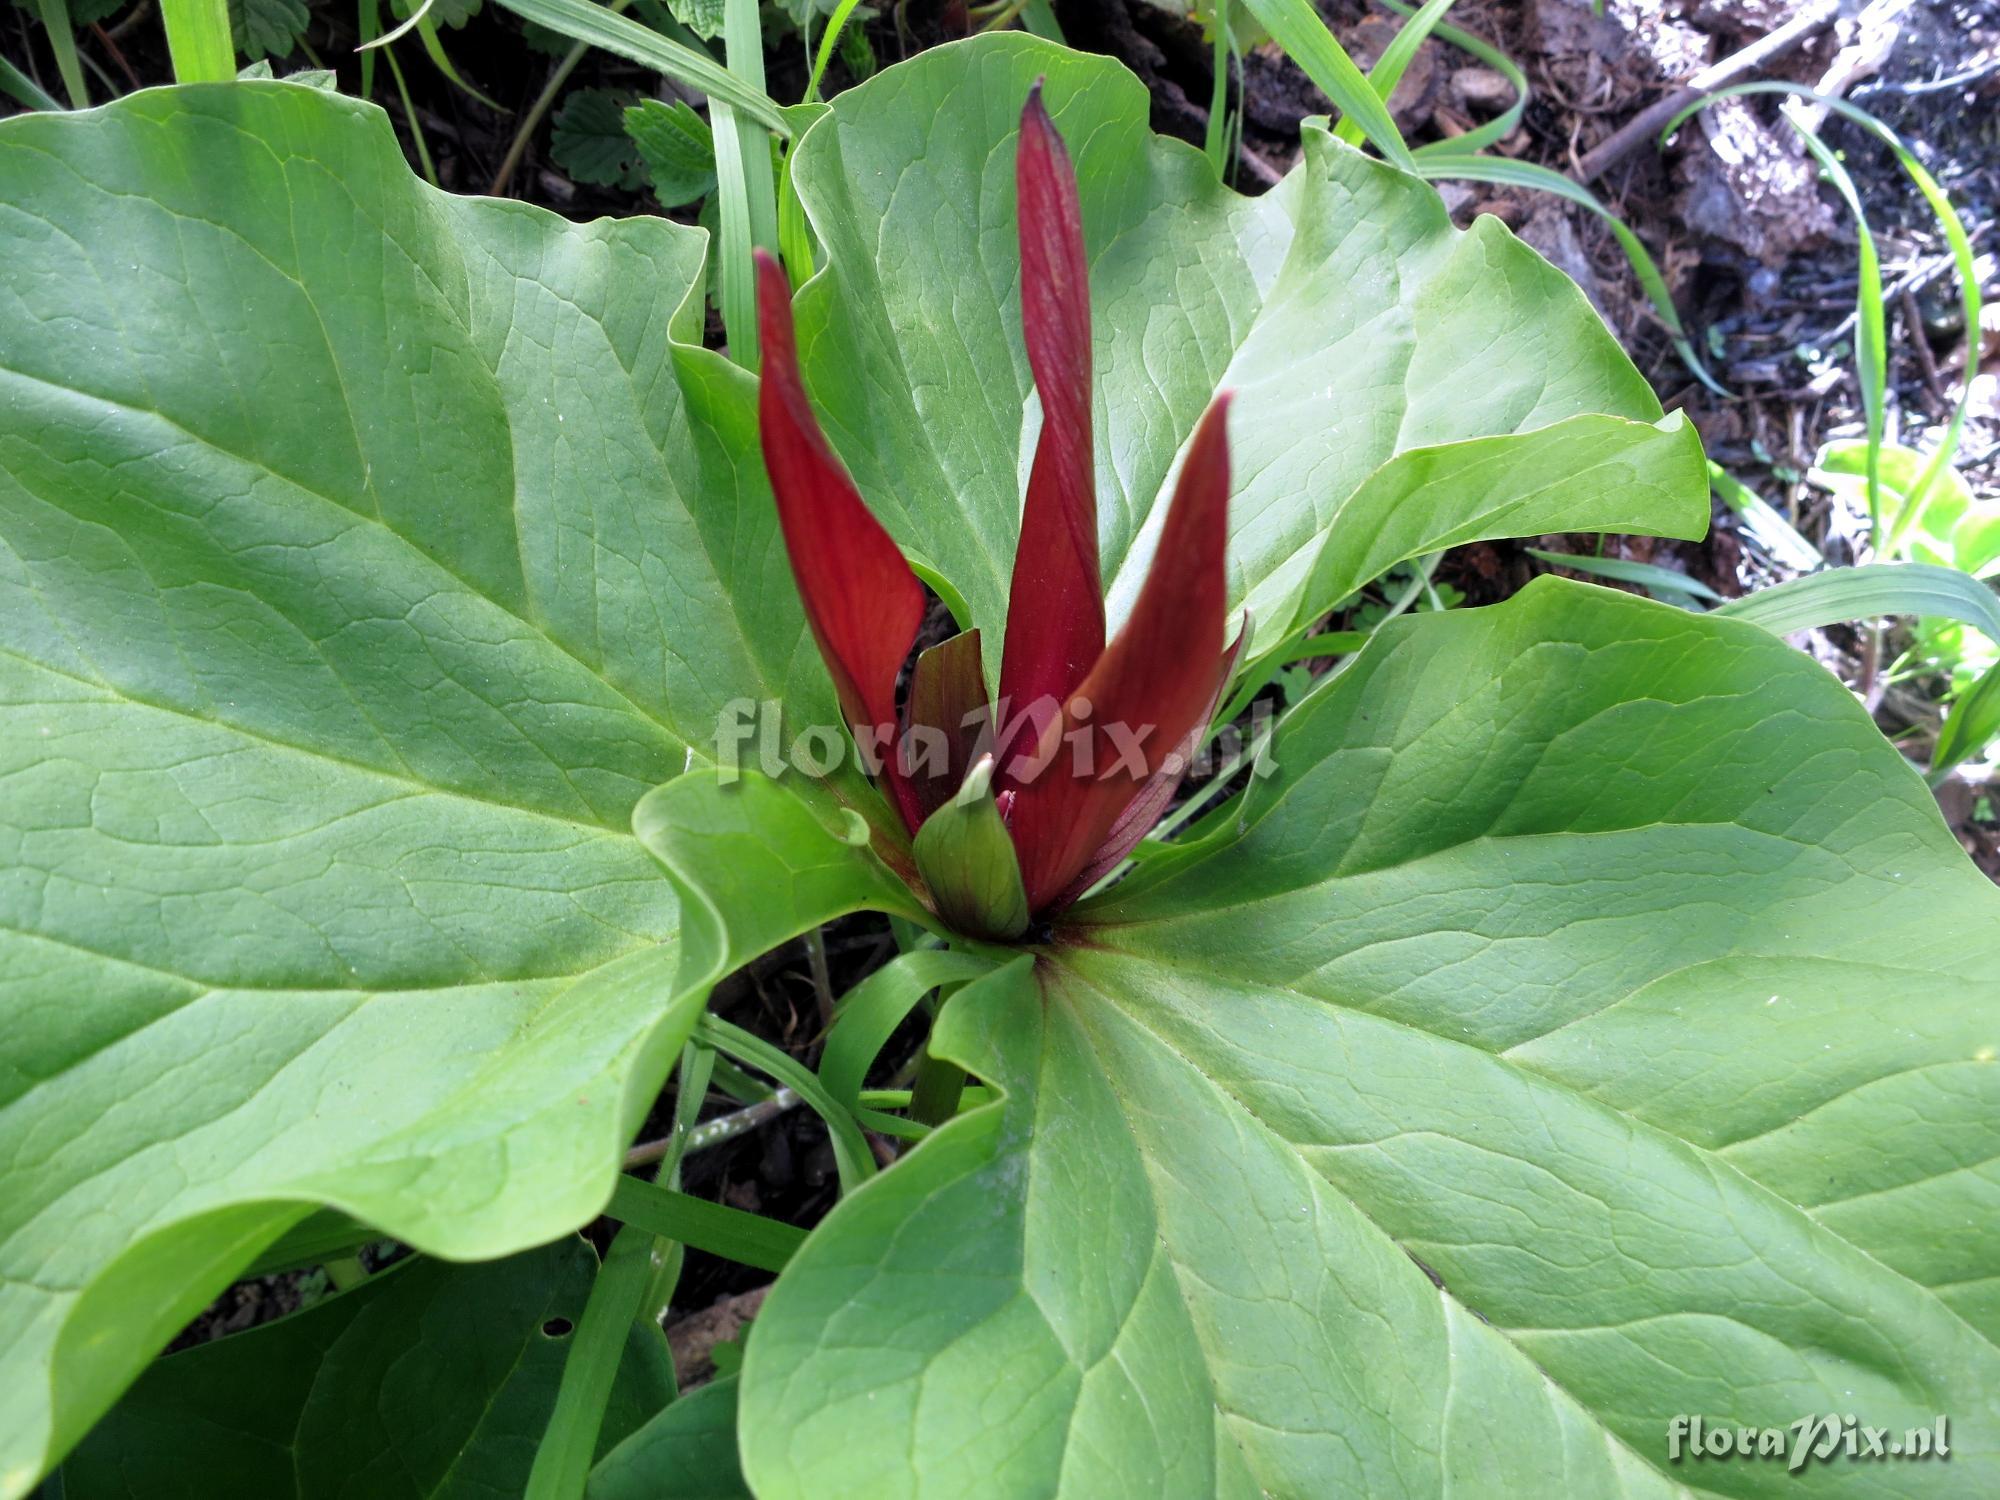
(557, 1328)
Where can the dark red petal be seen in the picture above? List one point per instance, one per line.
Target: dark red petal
(1157, 795)
(1055, 607)
(1156, 682)
(862, 601)
(947, 717)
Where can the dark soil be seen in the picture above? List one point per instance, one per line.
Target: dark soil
(1760, 258)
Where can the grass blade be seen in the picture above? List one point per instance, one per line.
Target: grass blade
(562, 1461)
(434, 46)
(1527, 174)
(1501, 125)
(1871, 339)
(851, 1155)
(1395, 60)
(1297, 27)
(62, 41)
(1649, 576)
(1949, 223)
(24, 90)
(599, 26)
(874, 1008)
(1973, 723)
(1862, 593)
(1765, 524)
(746, 189)
(1215, 141)
(748, 1239)
(198, 40)
(835, 24)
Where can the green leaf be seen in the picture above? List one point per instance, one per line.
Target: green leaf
(198, 37)
(1401, 385)
(1660, 582)
(266, 28)
(729, 839)
(702, 17)
(1972, 725)
(1592, 1022)
(714, 1227)
(23, 89)
(1472, 167)
(1953, 528)
(599, 1346)
(453, 13)
(365, 555)
(588, 139)
(1297, 27)
(677, 147)
(686, 1452)
(601, 27)
(428, 1379)
(81, 12)
(1872, 589)
(62, 41)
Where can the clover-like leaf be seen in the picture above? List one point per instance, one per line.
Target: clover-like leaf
(1591, 1022)
(588, 139)
(267, 28)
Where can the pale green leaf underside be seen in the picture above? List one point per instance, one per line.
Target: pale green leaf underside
(365, 555)
(1358, 328)
(1600, 959)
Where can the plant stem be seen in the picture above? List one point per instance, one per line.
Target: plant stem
(822, 977)
(714, 1132)
(518, 147)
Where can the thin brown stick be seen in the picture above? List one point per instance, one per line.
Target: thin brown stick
(1913, 325)
(1648, 123)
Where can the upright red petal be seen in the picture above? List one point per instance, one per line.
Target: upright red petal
(862, 601)
(1157, 795)
(1153, 684)
(1055, 607)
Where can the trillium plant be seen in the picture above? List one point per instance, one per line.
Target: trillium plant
(1577, 1035)
(1017, 812)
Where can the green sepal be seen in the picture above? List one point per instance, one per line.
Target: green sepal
(967, 859)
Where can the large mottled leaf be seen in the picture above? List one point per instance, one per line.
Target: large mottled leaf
(1401, 385)
(1591, 1021)
(365, 555)
(428, 1380)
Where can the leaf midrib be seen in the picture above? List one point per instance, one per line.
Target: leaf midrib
(113, 693)
(1109, 1075)
(535, 628)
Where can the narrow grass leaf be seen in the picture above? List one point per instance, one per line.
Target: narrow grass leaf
(62, 41)
(748, 1239)
(1308, 41)
(1677, 588)
(1501, 125)
(855, 1162)
(23, 89)
(1864, 592)
(562, 1461)
(1949, 223)
(1395, 61)
(1764, 523)
(1527, 174)
(583, 21)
